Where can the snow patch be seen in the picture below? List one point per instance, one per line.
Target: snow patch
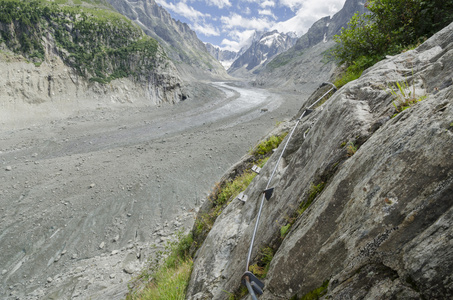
(269, 40)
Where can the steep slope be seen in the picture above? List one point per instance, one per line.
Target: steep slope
(309, 51)
(262, 50)
(225, 57)
(179, 41)
(53, 52)
(364, 195)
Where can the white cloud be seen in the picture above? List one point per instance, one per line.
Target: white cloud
(307, 12)
(206, 29)
(238, 21)
(219, 3)
(183, 9)
(266, 12)
(293, 4)
(238, 40)
(230, 45)
(326, 6)
(267, 3)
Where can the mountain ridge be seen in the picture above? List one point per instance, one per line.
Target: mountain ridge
(179, 41)
(66, 52)
(264, 47)
(311, 51)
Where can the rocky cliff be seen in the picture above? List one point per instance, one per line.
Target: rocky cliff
(225, 57)
(362, 206)
(179, 41)
(70, 53)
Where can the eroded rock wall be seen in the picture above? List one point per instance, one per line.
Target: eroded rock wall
(53, 90)
(381, 227)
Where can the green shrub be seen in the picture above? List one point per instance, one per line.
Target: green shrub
(284, 230)
(99, 44)
(268, 145)
(390, 27)
(261, 268)
(233, 188)
(347, 76)
(315, 190)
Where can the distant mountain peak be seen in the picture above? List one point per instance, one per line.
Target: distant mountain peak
(225, 57)
(263, 48)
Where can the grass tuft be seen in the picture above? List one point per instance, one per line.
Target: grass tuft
(317, 293)
(404, 96)
(168, 276)
(268, 145)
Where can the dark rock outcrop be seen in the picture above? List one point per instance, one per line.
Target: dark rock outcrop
(382, 226)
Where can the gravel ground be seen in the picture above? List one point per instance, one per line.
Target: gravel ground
(85, 200)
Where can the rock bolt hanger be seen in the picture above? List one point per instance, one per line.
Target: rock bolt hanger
(253, 284)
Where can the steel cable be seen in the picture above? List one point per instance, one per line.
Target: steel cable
(275, 169)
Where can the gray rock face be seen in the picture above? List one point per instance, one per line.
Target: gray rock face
(382, 225)
(148, 79)
(225, 57)
(179, 41)
(30, 92)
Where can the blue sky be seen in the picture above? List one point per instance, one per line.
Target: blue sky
(230, 23)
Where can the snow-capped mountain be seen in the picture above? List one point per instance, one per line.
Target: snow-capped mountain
(225, 57)
(264, 47)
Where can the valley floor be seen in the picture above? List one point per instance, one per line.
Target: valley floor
(86, 200)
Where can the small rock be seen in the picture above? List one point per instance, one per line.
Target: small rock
(114, 252)
(49, 279)
(101, 246)
(116, 238)
(92, 185)
(130, 246)
(8, 168)
(112, 276)
(74, 256)
(4, 272)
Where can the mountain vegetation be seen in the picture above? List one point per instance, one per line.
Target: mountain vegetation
(391, 27)
(100, 44)
(180, 43)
